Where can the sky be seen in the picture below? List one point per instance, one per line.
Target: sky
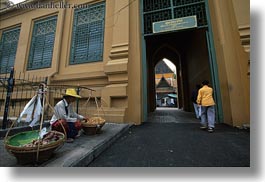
(170, 64)
(17, 1)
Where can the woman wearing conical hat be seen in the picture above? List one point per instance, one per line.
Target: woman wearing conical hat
(65, 115)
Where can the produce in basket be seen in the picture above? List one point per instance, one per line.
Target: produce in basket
(93, 125)
(51, 136)
(95, 121)
(25, 146)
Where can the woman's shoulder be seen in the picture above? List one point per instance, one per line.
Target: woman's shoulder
(59, 103)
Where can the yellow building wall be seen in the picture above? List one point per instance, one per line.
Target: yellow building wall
(117, 79)
(242, 12)
(232, 63)
(108, 77)
(166, 75)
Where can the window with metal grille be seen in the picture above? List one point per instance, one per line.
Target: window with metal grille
(88, 34)
(42, 43)
(8, 49)
(159, 10)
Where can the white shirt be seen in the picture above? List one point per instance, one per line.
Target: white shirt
(60, 112)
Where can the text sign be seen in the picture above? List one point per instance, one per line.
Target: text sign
(175, 24)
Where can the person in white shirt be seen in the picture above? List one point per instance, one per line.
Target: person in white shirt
(64, 118)
(194, 95)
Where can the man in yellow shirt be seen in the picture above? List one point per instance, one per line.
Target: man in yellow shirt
(205, 99)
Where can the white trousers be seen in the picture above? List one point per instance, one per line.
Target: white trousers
(197, 109)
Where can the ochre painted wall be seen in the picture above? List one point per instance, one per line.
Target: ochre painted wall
(232, 63)
(117, 79)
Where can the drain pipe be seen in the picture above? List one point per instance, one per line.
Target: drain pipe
(60, 44)
(58, 57)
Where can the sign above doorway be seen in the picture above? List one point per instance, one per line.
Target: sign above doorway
(175, 24)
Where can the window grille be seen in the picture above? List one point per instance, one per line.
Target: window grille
(8, 49)
(151, 5)
(159, 10)
(88, 34)
(42, 43)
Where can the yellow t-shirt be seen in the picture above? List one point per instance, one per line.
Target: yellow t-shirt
(205, 96)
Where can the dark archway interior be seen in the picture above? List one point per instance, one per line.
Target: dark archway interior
(189, 52)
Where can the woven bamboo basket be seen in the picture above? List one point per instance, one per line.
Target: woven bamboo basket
(93, 126)
(28, 155)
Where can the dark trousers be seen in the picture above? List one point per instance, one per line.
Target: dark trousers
(72, 132)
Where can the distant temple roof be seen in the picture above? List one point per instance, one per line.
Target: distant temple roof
(163, 83)
(162, 68)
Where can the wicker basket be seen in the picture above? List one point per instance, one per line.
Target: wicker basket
(92, 128)
(29, 155)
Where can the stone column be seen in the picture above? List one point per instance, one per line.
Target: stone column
(115, 94)
(232, 63)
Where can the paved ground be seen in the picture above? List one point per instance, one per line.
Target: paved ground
(169, 138)
(172, 138)
(77, 154)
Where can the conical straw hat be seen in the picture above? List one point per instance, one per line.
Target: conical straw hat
(71, 92)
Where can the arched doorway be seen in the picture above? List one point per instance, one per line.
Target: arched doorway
(166, 84)
(188, 51)
(165, 50)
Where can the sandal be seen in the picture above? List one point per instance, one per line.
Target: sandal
(70, 140)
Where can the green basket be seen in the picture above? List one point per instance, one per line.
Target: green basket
(37, 154)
